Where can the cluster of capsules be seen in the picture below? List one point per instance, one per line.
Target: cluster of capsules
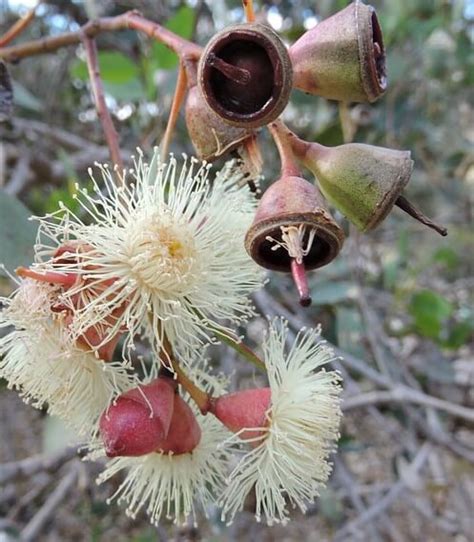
(243, 82)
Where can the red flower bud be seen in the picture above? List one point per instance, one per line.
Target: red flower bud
(184, 433)
(139, 420)
(243, 410)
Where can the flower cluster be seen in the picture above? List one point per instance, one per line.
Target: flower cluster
(160, 258)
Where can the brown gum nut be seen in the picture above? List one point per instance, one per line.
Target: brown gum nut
(259, 50)
(210, 135)
(293, 201)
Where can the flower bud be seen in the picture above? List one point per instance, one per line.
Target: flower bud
(243, 410)
(139, 420)
(245, 75)
(184, 432)
(343, 57)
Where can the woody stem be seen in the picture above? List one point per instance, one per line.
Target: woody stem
(130, 19)
(199, 396)
(281, 136)
(241, 348)
(110, 132)
(19, 26)
(179, 94)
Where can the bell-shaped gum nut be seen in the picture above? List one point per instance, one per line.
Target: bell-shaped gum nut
(139, 420)
(210, 135)
(184, 434)
(362, 181)
(243, 411)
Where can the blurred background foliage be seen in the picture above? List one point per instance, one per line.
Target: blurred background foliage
(400, 298)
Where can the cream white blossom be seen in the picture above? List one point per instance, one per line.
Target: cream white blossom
(289, 460)
(164, 248)
(39, 360)
(164, 484)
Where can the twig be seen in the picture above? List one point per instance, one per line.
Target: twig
(36, 524)
(31, 465)
(401, 394)
(249, 11)
(110, 132)
(20, 177)
(19, 26)
(346, 479)
(129, 20)
(179, 94)
(390, 497)
(280, 136)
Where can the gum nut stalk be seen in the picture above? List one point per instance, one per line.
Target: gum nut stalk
(245, 75)
(243, 410)
(343, 57)
(139, 420)
(184, 432)
(210, 135)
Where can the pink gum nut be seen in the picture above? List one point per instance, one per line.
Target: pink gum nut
(138, 422)
(184, 433)
(243, 410)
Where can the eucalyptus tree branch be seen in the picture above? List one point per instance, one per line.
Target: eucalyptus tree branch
(111, 135)
(19, 26)
(129, 20)
(31, 465)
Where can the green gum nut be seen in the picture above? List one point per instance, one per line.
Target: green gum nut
(362, 181)
(343, 57)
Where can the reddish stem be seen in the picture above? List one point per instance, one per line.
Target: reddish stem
(248, 9)
(280, 134)
(130, 19)
(19, 26)
(64, 279)
(110, 132)
(179, 94)
(298, 273)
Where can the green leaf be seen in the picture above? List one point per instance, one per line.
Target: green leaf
(349, 331)
(447, 257)
(182, 24)
(131, 91)
(56, 435)
(330, 292)
(429, 311)
(17, 233)
(24, 98)
(330, 505)
(114, 68)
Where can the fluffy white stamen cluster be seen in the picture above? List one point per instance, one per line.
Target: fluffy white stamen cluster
(38, 359)
(290, 462)
(168, 246)
(292, 239)
(168, 484)
(171, 485)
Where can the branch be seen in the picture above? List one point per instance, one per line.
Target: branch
(390, 497)
(400, 394)
(31, 465)
(55, 499)
(179, 94)
(128, 20)
(19, 26)
(110, 132)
